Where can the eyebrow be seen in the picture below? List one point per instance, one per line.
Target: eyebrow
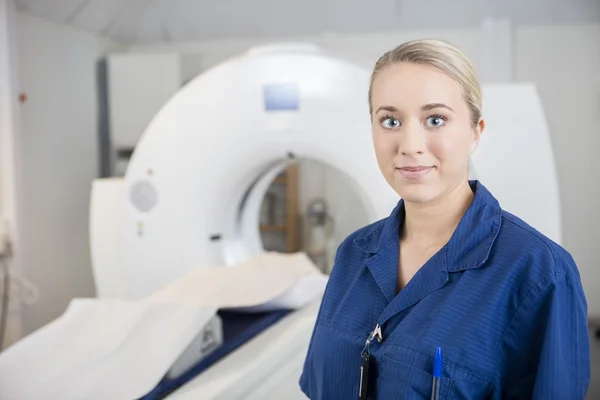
(387, 108)
(426, 107)
(431, 106)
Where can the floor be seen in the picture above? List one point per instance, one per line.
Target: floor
(594, 389)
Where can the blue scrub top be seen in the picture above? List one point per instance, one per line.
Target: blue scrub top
(503, 301)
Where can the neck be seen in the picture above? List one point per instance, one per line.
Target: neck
(434, 222)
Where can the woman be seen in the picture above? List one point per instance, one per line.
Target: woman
(449, 268)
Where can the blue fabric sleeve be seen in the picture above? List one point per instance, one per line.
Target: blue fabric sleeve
(304, 380)
(546, 345)
(304, 376)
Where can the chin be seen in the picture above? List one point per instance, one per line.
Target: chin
(417, 193)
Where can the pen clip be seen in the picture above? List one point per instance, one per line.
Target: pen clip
(437, 374)
(376, 334)
(437, 363)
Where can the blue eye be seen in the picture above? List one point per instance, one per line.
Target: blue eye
(390, 122)
(436, 121)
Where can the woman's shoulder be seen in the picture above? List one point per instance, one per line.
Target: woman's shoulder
(364, 239)
(529, 250)
(357, 247)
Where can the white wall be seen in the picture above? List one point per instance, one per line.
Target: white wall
(10, 204)
(364, 49)
(133, 101)
(57, 68)
(562, 61)
(565, 64)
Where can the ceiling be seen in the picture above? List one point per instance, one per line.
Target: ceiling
(142, 21)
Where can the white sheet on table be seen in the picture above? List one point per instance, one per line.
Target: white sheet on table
(120, 349)
(256, 282)
(107, 349)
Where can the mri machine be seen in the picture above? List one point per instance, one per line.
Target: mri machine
(192, 191)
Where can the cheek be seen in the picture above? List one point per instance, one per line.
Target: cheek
(450, 149)
(384, 146)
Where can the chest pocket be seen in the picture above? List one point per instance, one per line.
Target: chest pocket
(406, 374)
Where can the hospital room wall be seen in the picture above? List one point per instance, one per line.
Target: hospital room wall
(565, 64)
(57, 67)
(563, 61)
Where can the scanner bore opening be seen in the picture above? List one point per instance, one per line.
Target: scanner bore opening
(316, 181)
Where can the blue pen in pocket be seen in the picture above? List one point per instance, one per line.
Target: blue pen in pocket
(437, 374)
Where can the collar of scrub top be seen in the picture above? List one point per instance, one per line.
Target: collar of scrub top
(469, 247)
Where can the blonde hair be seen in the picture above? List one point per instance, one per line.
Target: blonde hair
(441, 55)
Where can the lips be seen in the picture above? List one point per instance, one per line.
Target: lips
(419, 168)
(414, 172)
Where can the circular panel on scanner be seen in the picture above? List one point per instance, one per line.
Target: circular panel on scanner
(222, 131)
(143, 196)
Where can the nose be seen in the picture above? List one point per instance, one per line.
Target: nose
(411, 140)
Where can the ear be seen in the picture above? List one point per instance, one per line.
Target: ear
(477, 132)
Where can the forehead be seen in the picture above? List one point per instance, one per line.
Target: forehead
(406, 84)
